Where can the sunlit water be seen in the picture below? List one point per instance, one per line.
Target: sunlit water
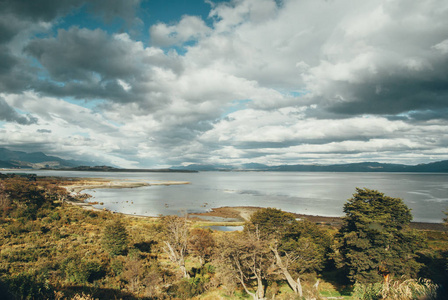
(315, 193)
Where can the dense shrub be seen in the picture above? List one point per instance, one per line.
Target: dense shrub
(115, 238)
(107, 256)
(188, 288)
(81, 271)
(396, 290)
(29, 286)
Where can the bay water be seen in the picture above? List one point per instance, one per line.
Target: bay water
(313, 193)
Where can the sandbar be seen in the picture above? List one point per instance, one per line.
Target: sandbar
(234, 213)
(97, 183)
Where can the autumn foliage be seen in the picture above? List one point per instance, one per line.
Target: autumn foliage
(51, 249)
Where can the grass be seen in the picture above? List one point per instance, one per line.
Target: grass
(38, 252)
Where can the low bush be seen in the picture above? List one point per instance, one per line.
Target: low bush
(397, 290)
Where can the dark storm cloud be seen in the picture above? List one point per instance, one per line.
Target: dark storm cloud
(82, 54)
(91, 64)
(425, 115)
(42, 10)
(88, 90)
(87, 64)
(393, 92)
(9, 27)
(44, 131)
(47, 10)
(7, 113)
(111, 9)
(7, 60)
(16, 16)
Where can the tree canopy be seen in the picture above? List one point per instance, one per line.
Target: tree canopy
(115, 238)
(297, 246)
(375, 239)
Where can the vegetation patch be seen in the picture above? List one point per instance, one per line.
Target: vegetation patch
(50, 249)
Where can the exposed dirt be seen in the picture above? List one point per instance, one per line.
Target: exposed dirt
(243, 213)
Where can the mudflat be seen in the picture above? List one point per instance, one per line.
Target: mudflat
(243, 213)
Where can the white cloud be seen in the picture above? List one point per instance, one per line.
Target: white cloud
(442, 46)
(305, 81)
(189, 28)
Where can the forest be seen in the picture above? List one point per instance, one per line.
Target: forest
(51, 249)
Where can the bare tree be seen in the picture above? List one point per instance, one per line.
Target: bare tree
(175, 240)
(247, 257)
(296, 257)
(297, 246)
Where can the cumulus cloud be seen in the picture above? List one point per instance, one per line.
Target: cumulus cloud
(259, 81)
(188, 29)
(389, 68)
(48, 10)
(7, 113)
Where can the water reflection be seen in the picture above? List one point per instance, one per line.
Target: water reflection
(300, 192)
(225, 228)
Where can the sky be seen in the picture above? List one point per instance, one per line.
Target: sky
(153, 83)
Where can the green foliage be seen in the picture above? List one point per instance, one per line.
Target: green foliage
(61, 247)
(24, 198)
(375, 239)
(370, 291)
(396, 290)
(115, 238)
(188, 288)
(247, 258)
(302, 242)
(446, 219)
(272, 223)
(116, 266)
(29, 286)
(82, 271)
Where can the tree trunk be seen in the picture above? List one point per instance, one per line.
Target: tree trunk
(177, 258)
(260, 288)
(296, 286)
(184, 270)
(259, 294)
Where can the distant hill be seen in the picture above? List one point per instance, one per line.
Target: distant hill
(35, 160)
(112, 169)
(436, 167)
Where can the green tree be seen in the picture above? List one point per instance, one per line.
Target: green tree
(375, 239)
(298, 247)
(115, 238)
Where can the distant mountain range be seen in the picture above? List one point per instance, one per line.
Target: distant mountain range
(39, 160)
(436, 167)
(36, 160)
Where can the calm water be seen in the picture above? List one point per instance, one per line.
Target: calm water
(300, 192)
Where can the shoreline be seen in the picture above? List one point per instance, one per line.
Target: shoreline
(225, 214)
(82, 184)
(243, 213)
